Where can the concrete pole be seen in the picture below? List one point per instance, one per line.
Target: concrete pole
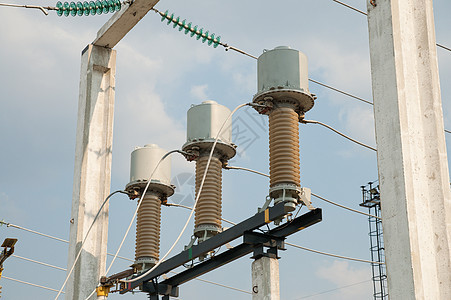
(412, 157)
(265, 279)
(92, 170)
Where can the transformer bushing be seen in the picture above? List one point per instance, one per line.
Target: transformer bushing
(203, 124)
(143, 161)
(284, 96)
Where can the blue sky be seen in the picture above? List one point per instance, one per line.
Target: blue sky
(160, 73)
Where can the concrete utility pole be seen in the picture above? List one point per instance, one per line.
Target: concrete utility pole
(93, 154)
(92, 170)
(412, 158)
(265, 279)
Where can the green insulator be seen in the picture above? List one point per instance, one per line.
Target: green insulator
(164, 16)
(118, 5)
(199, 33)
(205, 37)
(176, 22)
(73, 9)
(92, 8)
(216, 42)
(79, 8)
(193, 31)
(106, 8)
(110, 6)
(170, 18)
(210, 39)
(182, 26)
(188, 27)
(59, 11)
(66, 6)
(86, 8)
(99, 7)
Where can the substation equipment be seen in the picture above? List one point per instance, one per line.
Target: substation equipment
(159, 189)
(283, 95)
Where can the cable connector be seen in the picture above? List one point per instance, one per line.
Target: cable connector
(103, 290)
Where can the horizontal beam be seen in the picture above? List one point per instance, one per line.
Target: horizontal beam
(273, 238)
(122, 22)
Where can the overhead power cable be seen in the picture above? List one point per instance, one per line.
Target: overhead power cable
(338, 132)
(319, 197)
(38, 262)
(335, 255)
(340, 91)
(366, 14)
(32, 284)
(50, 237)
(336, 289)
(345, 207)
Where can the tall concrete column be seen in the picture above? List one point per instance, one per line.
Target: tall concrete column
(412, 157)
(92, 170)
(265, 279)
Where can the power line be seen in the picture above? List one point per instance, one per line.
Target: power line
(51, 237)
(345, 207)
(366, 14)
(335, 255)
(338, 132)
(332, 290)
(340, 91)
(32, 284)
(39, 262)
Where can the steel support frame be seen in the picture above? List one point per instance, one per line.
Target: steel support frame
(252, 242)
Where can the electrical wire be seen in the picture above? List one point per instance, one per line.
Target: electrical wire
(339, 288)
(41, 8)
(187, 207)
(245, 169)
(50, 237)
(345, 207)
(32, 231)
(85, 238)
(319, 197)
(38, 262)
(338, 132)
(366, 14)
(195, 202)
(335, 255)
(340, 91)
(29, 283)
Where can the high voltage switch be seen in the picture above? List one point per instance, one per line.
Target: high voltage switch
(189, 28)
(86, 8)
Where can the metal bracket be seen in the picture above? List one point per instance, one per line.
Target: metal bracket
(160, 289)
(305, 197)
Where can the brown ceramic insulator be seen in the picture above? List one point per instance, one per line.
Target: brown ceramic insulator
(148, 227)
(283, 146)
(208, 209)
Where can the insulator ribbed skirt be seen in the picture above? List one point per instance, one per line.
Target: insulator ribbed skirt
(283, 146)
(208, 209)
(148, 228)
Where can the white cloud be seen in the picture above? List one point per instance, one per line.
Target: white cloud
(199, 92)
(340, 274)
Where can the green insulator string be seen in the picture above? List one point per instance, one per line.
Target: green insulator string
(89, 8)
(199, 33)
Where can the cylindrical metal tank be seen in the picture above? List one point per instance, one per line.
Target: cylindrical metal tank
(205, 121)
(282, 74)
(143, 162)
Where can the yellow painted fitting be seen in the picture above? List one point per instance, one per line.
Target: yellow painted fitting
(103, 291)
(208, 209)
(284, 146)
